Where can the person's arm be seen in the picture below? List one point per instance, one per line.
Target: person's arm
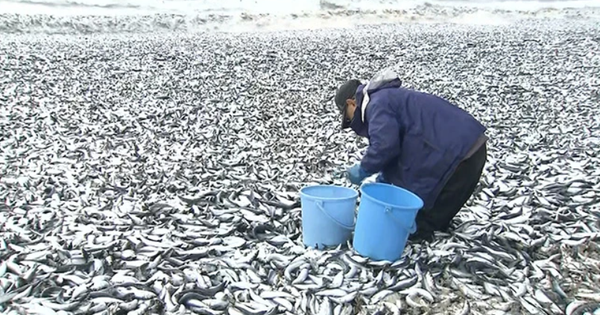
(384, 138)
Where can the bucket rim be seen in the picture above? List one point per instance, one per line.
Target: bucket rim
(304, 189)
(364, 195)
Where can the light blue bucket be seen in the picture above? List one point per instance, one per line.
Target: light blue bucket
(327, 215)
(386, 217)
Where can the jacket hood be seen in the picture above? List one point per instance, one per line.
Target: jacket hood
(384, 79)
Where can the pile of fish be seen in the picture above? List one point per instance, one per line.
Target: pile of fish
(147, 174)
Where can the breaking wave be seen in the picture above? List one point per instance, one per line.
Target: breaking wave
(124, 16)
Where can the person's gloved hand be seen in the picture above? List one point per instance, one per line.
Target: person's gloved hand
(380, 179)
(356, 174)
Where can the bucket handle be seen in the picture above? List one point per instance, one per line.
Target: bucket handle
(413, 227)
(322, 208)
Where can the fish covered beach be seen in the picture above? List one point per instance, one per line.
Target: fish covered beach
(150, 166)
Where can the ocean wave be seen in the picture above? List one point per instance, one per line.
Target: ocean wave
(271, 7)
(76, 4)
(333, 18)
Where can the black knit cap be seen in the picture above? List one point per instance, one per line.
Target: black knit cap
(345, 92)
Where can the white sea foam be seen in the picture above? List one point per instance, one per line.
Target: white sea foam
(243, 15)
(271, 7)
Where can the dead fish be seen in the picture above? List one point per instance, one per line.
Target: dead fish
(187, 203)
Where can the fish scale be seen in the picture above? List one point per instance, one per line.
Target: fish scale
(151, 172)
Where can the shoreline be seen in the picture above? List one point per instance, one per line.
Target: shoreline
(161, 23)
(568, 25)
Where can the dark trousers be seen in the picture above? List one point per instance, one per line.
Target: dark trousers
(453, 196)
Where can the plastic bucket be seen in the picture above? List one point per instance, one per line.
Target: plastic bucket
(327, 215)
(386, 217)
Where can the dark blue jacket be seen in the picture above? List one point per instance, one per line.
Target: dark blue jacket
(416, 140)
